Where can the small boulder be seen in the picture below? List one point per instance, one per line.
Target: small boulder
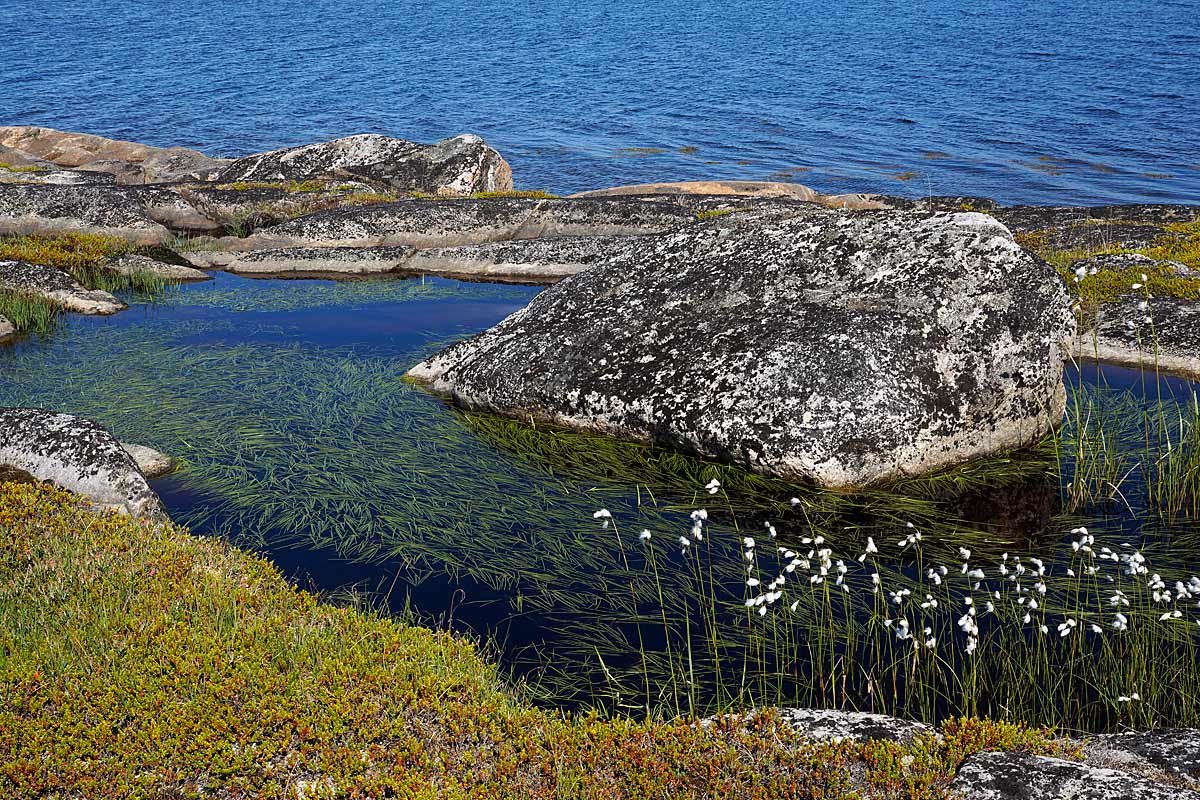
(1024, 776)
(454, 167)
(150, 462)
(78, 455)
(7, 329)
(833, 347)
(57, 286)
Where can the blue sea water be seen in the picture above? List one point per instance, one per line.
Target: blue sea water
(1063, 101)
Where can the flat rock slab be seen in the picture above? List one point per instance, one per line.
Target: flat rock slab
(133, 263)
(747, 189)
(1157, 334)
(1022, 776)
(839, 348)
(57, 286)
(78, 455)
(128, 162)
(320, 260)
(453, 223)
(542, 260)
(106, 210)
(820, 724)
(453, 167)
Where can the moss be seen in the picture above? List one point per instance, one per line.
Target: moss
(295, 187)
(523, 194)
(29, 169)
(83, 255)
(1180, 244)
(137, 660)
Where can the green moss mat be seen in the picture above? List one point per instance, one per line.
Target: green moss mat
(139, 661)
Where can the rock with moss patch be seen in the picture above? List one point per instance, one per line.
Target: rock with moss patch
(56, 286)
(1159, 333)
(78, 455)
(840, 348)
(458, 166)
(1024, 776)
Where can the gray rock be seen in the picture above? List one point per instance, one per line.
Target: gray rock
(57, 286)
(841, 348)
(75, 454)
(452, 223)
(1159, 334)
(150, 462)
(1175, 752)
(320, 260)
(7, 329)
(453, 167)
(543, 260)
(820, 724)
(133, 263)
(107, 210)
(56, 177)
(1022, 776)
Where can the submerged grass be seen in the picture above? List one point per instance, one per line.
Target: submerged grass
(136, 660)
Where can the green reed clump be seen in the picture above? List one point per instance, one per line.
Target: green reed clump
(28, 312)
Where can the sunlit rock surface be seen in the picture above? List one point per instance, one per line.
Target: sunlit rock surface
(126, 162)
(823, 724)
(150, 462)
(1023, 776)
(1156, 334)
(46, 209)
(57, 286)
(453, 167)
(840, 348)
(75, 454)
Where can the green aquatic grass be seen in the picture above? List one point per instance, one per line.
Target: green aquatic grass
(83, 256)
(331, 449)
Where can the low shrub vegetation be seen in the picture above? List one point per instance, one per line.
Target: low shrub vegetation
(137, 660)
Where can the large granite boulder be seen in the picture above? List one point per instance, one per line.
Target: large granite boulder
(56, 286)
(841, 348)
(453, 167)
(1024, 776)
(75, 454)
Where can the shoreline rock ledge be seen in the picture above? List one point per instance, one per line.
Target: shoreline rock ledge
(829, 347)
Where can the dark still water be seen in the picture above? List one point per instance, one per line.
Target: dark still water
(301, 439)
(1068, 101)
